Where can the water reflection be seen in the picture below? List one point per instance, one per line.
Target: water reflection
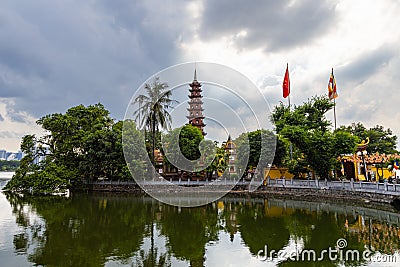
(107, 230)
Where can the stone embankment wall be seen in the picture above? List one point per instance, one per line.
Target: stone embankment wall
(288, 191)
(333, 195)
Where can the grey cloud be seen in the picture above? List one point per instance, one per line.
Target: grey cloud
(270, 24)
(270, 81)
(1, 118)
(355, 112)
(17, 116)
(60, 55)
(10, 134)
(366, 65)
(371, 101)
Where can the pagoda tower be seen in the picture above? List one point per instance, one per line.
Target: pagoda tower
(195, 109)
(230, 149)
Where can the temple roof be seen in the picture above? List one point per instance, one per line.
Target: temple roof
(195, 109)
(371, 158)
(193, 117)
(230, 144)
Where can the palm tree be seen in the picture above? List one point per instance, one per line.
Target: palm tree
(153, 109)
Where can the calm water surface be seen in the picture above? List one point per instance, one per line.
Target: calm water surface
(125, 230)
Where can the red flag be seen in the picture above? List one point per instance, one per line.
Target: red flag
(332, 93)
(286, 83)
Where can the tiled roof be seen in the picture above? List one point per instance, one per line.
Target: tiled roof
(371, 158)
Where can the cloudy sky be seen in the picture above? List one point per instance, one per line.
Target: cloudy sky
(58, 54)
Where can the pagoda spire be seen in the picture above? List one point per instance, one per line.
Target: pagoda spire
(195, 109)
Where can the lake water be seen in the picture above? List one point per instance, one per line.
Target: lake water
(6, 175)
(126, 230)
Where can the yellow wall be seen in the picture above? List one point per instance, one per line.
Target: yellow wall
(277, 173)
(386, 172)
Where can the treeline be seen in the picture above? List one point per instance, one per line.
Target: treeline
(10, 165)
(318, 147)
(85, 144)
(82, 144)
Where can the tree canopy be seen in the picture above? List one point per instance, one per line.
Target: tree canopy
(381, 140)
(152, 113)
(258, 148)
(307, 128)
(83, 143)
(186, 148)
(11, 165)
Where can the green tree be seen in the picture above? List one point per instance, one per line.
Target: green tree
(9, 165)
(310, 115)
(20, 179)
(153, 109)
(104, 155)
(307, 128)
(189, 141)
(257, 148)
(45, 177)
(218, 158)
(381, 140)
(68, 133)
(182, 147)
(186, 147)
(134, 148)
(83, 143)
(281, 152)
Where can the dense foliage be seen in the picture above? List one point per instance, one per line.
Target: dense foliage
(315, 145)
(85, 144)
(152, 113)
(181, 146)
(82, 144)
(381, 140)
(185, 147)
(9, 165)
(259, 148)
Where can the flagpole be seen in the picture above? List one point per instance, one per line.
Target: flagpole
(334, 99)
(290, 144)
(334, 111)
(286, 93)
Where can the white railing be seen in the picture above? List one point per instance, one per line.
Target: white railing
(368, 187)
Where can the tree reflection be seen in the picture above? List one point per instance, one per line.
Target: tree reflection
(259, 229)
(91, 230)
(189, 230)
(153, 259)
(80, 231)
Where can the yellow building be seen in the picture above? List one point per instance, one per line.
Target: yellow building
(364, 167)
(277, 173)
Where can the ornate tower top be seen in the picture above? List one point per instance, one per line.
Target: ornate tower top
(195, 109)
(230, 149)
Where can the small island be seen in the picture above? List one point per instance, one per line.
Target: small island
(85, 146)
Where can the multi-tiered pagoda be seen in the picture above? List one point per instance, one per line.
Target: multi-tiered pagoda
(195, 109)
